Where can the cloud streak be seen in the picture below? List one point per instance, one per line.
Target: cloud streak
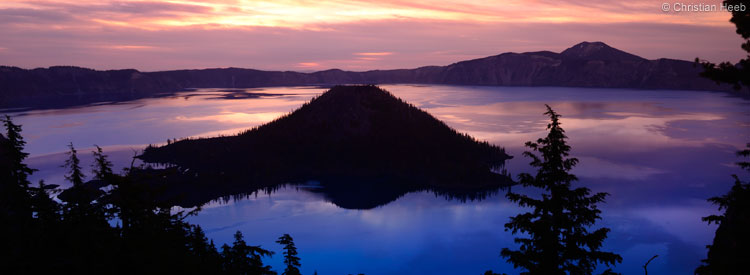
(348, 34)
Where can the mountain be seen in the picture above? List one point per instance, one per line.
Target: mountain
(351, 139)
(599, 51)
(588, 64)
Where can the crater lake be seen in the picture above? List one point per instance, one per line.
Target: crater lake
(659, 153)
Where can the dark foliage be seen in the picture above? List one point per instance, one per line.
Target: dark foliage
(128, 229)
(351, 137)
(13, 155)
(16, 216)
(241, 258)
(559, 241)
(102, 168)
(729, 252)
(75, 175)
(738, 74)
(290, 255)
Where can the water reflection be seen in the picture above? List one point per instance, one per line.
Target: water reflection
(419, 232)
(153, 120)
(659, 154)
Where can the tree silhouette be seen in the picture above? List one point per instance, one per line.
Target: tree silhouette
(41, 236)
(88, 233)
(14, 154)
(46, 210)
(290, 255)
(14, 183)
(241, 258)
(80, 196)
(737, 75)
(73, 164)
(16, 223)
(102, 167)
(558, 241)
(204, 251)
(729, 252)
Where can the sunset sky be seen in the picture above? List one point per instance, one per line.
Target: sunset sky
(356, 35)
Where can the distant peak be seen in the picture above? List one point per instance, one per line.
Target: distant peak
(598, 50)
(331, 71)
(591, 44)
(586, 48)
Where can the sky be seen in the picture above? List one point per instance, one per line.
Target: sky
(301, 35)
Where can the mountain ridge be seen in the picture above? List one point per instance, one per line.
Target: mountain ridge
(587, 64)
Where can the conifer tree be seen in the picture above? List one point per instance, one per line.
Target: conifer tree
(73, 164)
(241, 258)
(16, 214)
(83, 209)
(41, 236)
(89, 234)
(102, 167)
(15, 154)
(729, 252)
(14, 183)
(737, 74)
(78, 197)
(47, 210)
(559, 241)
(290, 255)
(207, 259)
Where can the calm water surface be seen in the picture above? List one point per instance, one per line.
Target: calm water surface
(659, 154)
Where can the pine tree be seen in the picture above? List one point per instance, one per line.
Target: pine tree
(82, 205)
(73, 164)
(47, 210)
(738, 75)
(102, 167)
(78, 198)
(559, 241)
(241, 258)
(14, 145)
(729, 252)
(206, 258)
(14, 184)
(290, 255)
(16, 213)
(89, 234)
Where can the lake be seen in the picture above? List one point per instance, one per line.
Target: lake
(660, 155)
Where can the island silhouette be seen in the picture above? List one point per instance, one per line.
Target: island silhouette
(358, 145)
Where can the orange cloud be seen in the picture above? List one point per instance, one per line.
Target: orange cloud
(308, 64)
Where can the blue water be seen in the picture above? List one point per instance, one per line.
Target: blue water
(659, 154)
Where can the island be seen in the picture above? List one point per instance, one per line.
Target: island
(358, 145)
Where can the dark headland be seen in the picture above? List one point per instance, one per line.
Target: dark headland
(588, 64)
(362, 145)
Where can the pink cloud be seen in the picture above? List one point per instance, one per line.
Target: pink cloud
(155, 35)
(374, 54)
